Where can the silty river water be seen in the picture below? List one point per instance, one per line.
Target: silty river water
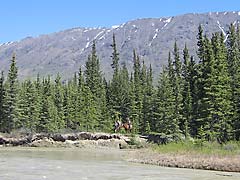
(84, 164)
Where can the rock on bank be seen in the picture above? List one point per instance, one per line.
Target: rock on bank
(80, 139)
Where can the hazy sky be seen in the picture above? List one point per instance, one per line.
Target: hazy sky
(22, 18)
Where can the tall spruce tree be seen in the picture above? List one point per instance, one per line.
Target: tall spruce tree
(10, 100)
(187, 98)
(164, 115)
(94, 81)
(137, 91)
(193, 75)
(148, 102)
(92, 73)
(177, 86)
(201, 71)
(28, 107)
(2, 94)
(115, 57)
(58, 102)
(234, 71)
(219, 92)
(71, 105)
(115, 85)
(46, 92)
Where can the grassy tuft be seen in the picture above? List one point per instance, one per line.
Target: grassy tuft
(199, 148)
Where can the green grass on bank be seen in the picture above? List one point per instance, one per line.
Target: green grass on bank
(203, 148)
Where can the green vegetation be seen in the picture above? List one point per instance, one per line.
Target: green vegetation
(196, 99)
(198, 148)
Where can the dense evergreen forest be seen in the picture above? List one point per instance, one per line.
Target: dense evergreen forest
(197, 98)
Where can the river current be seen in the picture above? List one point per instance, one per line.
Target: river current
(84, 164)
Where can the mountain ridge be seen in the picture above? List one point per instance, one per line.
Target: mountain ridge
(65, 51)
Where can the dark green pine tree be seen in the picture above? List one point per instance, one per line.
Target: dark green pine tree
(219, 93)
(186, 94)
(89, 111)
(164, 113)
(37, 100)
(202, 68)
(143, 78)
(80, 80)
(170, 70)
(234, 71)
(22, 106)
(2, 94)
(115, 85)
(133, 104)
(92, 73)
(10, 100)
(79, 100)
(71, 105)
(200, 44)
(193, 75)
(46, 94)
(28, 107)
(148, 103)
(177, 86)
(115, 57)
(204, 97)
(94, 81)
(58, 102)
(137, 91)
(124, 92)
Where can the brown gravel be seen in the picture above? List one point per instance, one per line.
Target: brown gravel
(207, 162)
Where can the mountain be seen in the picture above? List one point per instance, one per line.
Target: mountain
(153, 38)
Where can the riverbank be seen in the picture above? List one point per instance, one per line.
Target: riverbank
(180, 155)
(193, 159)
(70, 140)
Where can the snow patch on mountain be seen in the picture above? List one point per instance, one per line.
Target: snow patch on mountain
(167, 22)
(221, 28)
(155, 35)
(87, 45)
(102, 37)
(122, 25)
(115, 26)
(98, 34)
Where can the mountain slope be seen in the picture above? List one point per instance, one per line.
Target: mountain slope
(153, 38)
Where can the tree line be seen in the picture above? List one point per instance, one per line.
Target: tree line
(195, 98)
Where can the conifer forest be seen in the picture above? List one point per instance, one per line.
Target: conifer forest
(194, 96)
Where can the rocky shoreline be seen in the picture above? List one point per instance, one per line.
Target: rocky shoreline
(144, 155)
(191, 161)
(79, 140)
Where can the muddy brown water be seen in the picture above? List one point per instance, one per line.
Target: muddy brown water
(84, 164)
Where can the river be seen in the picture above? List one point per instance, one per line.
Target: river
(84, 164)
